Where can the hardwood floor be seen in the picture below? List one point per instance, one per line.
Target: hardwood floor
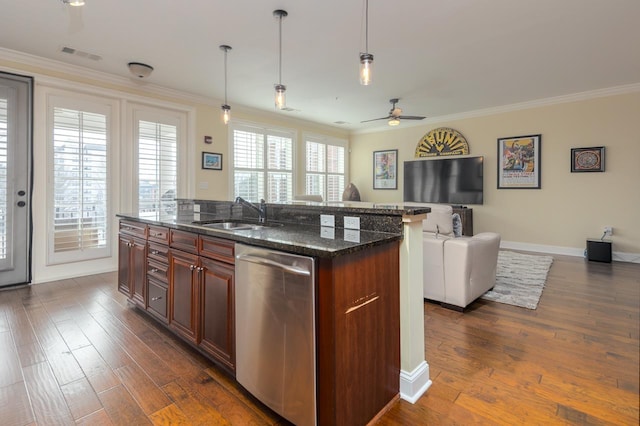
(74, 352)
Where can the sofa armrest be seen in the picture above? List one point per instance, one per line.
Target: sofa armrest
(470, 267)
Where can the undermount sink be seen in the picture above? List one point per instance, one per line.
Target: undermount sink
(236, 225)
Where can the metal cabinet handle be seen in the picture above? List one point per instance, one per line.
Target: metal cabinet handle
(154, 270)
(153, 299)
(200, 269)
(155, 252)
(192, 267)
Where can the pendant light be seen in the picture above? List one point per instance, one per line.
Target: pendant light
(226, 109)
(366, 58)
(74, 2)
(281, 100)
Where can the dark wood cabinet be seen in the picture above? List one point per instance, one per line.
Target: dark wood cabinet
(183, 294)
(217, 311)
(132, 257)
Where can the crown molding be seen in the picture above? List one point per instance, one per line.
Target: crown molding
(574, 97)
(102, 77)
(161, 91)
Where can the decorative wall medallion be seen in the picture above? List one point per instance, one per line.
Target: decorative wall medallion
(442, 141)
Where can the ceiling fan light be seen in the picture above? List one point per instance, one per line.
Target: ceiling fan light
(394, 121)
(281, 97)
(366, 60)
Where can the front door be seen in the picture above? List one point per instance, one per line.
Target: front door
(15, 179)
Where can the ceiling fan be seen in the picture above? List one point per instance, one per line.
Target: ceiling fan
(395, 115)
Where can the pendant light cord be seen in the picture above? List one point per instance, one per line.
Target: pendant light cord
(366, 27)
(280, 50)
(225, 76)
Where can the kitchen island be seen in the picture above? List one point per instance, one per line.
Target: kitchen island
(187, 281)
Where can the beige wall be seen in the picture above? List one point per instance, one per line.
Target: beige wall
(570, 206)
(209, 123)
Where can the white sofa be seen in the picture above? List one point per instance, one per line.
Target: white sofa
(457, 270)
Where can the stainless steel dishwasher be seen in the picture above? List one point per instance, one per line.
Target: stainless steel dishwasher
(275, 331)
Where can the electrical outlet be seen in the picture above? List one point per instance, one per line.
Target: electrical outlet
(608, 230)
(327, 220)
(351, 222)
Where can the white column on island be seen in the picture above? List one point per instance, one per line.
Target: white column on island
(414, 370)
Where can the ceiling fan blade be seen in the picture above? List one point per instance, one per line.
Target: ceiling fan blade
(410, 117)
(376, 119)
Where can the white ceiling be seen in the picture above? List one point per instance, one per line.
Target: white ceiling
(440, 57)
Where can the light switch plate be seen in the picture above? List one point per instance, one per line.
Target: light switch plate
(327, 220)
(351, 222)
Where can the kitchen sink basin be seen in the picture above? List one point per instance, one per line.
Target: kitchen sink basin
(236, 225)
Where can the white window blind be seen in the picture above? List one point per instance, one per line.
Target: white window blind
(325, 169)
(4, 155)
(80, 179)
(157, 168)
(262, 164)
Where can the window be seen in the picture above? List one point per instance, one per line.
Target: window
(157, 168)
(262, 164)
(4, 183)
(325, 168)
(79, 175)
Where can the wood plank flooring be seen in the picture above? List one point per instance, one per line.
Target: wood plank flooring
(74, 352)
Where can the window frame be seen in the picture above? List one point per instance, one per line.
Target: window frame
(91, 104)
(138, 112)
(266, 131)
(326, 141)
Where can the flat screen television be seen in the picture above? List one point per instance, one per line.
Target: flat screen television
(444, 180)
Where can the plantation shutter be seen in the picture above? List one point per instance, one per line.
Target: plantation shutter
(157, 168)
(4, 155)
(80, 172)
(325, 169)
(262, 164)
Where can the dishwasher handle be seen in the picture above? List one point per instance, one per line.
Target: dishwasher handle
(265, 261)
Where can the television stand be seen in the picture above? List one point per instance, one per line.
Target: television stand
(466, 215)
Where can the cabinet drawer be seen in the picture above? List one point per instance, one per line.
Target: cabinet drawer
(157, 301)
(158, 270)
(159, 234)
(216, 248)
(186, 241)
(133, 228)
(159, 252)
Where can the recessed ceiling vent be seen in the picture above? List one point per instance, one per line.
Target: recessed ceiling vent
(71, 51)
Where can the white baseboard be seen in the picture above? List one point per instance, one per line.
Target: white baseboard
(567, 251)
(71, 275)
(415, 383)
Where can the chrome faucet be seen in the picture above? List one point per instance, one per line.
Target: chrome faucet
(262, 209)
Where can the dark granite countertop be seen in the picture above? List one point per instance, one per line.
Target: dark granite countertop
(295, 238)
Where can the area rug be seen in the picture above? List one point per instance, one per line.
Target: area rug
(520, 279)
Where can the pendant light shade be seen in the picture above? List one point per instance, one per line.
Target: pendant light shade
(74, 2)
(366, 58)
(280, 97)
(226, 109)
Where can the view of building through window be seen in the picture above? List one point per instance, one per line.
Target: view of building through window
(263, 165)
(157, 168)
(325, 164)
(79, 180)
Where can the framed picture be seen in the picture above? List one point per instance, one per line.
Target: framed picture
(385, 169)
(211, 161)
(519, 162)
(587, 159)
